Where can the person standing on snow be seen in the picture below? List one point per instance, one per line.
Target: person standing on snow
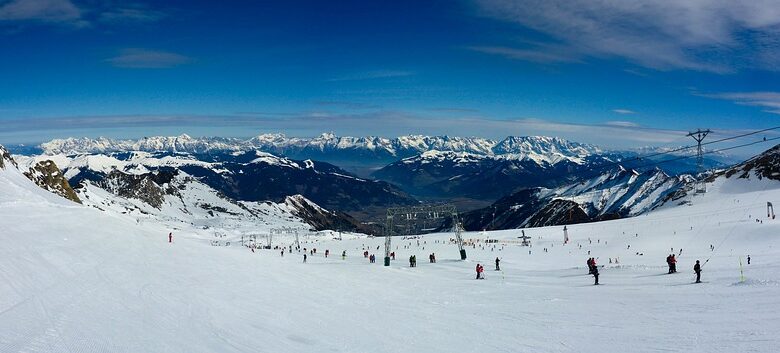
(327, 252)
(304, 257)
(673, 263)
(697, 269)
(170, 237)
(479, 271)
(748, 259)
(498, 268)
(596, 275)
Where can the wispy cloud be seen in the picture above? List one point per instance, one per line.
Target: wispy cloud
(139, 58)
(705, 35)
(621, 123)
(66, 12)
(130, 13)
(545, 55)
(51, 11)
(770, 101)
(453, 110)
(347, 105)
(623, 111)
(371, 75)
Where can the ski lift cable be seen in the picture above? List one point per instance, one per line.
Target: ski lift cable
(672, 160)
(639, 158)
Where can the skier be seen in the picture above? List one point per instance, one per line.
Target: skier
(697, 269)
(590, 265)
(282, 252)
(327, 252)
(596, 275)
(392, 255)
(304, 257)
(498, 268)
(673, 264)
(411, 261)
(669, 263)
(170, 237)
(344, 255)
(748, 259)
(479, 271)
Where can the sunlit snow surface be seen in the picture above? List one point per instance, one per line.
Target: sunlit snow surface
(75, 279)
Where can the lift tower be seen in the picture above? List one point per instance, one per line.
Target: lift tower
(699, 135)
(407, 218)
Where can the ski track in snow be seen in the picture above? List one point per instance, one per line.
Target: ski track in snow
(75, 279)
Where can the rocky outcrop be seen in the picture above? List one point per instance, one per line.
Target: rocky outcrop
(145, 187)
(5, 158)
(322, 219)
(48, 176)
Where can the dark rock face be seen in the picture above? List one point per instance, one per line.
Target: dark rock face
(48, 176)
(322, 219)
(145, 187)
(765, 165)
(5, 158)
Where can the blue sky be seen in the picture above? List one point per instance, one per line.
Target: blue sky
(610, 72)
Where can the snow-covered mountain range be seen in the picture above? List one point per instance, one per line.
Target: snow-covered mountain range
(450, 174)
(328, 145)
(252, 176)
(178, 203)
(614, 194)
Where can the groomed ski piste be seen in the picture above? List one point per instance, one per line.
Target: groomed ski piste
(75, 279)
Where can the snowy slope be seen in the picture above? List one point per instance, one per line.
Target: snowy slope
(76, 279)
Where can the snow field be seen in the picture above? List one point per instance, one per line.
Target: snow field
(75, 279)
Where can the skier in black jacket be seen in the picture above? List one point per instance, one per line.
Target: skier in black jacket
(697, 269)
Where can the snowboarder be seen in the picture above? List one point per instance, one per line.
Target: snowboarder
(596, 275)
(170, 237)
(498, 268)
(697, 269)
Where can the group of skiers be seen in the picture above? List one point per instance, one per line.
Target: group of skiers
(672, 262)
(480, 270)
